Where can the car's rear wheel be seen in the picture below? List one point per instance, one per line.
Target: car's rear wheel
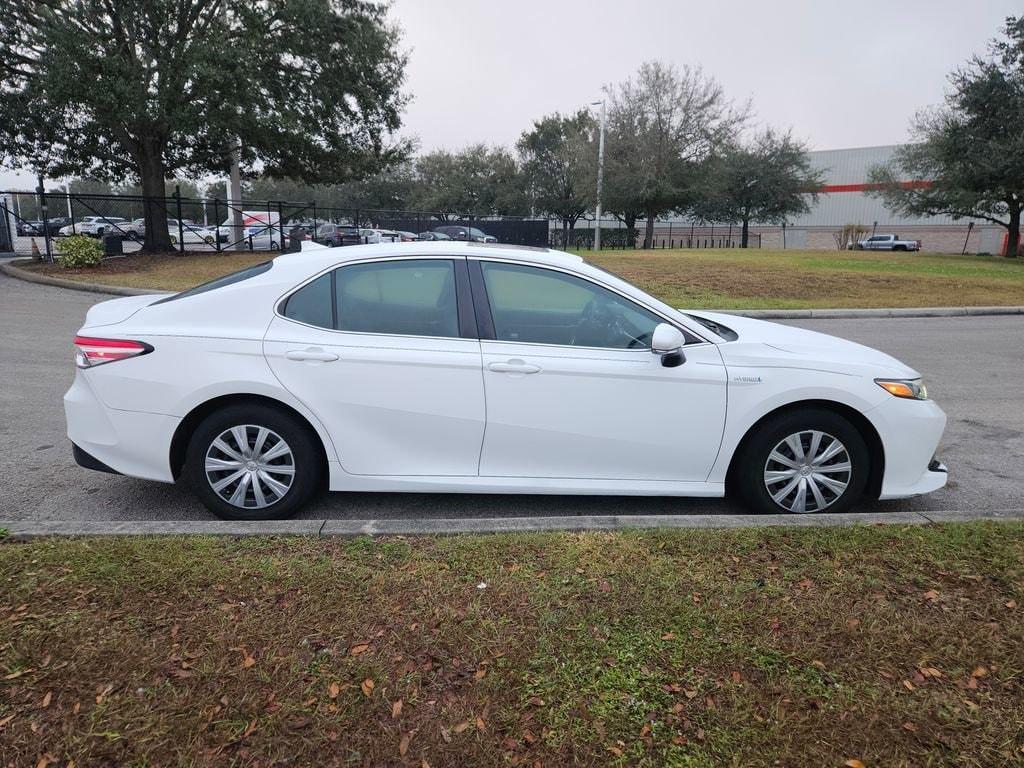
(253, 462)
(811, 460)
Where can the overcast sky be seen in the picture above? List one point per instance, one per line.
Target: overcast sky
(839, 74)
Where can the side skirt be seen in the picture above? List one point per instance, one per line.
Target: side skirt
(342, 481)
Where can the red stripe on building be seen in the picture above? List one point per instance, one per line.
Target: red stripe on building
(872, 187)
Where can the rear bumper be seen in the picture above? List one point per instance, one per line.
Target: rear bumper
(110, 440)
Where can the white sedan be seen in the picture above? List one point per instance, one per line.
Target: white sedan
(462, 367)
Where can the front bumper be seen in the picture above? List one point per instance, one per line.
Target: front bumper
(910, 431)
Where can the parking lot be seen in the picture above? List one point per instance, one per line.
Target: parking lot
(972, 367)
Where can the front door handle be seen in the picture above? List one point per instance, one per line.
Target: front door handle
(514, 366)
(313, 353)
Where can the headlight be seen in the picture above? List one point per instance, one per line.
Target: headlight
(911, 389)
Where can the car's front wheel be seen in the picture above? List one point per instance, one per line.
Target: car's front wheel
(811, 460)
(253, 462)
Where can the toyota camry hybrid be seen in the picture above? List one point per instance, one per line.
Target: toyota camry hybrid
(467, 367)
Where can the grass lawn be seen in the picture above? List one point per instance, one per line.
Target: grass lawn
(726, 279)
(892, 646)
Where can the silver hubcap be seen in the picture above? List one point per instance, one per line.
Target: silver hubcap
(807, 471)
(250, 466)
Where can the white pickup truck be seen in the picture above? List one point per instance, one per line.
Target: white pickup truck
(887, 243)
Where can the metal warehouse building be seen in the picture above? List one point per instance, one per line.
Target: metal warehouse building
(846, 201)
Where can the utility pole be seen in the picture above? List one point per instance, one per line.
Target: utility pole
(235, 201)
(600, 177)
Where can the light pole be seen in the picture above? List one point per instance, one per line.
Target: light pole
(600, 175)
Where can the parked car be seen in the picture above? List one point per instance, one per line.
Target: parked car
(439, 368)
(96, 226)
(135, 229)
(190, 233)
(405, 237)
(887, 243)
(432, 236)
(30, 228)
(260, 231)
(335, 235)
(373, 236)
(458, 232)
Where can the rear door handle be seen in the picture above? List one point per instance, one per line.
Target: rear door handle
(514, 366)
(311, 354)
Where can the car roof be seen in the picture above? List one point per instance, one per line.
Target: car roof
(314, 254)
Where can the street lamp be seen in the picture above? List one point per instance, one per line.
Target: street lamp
(600, 175)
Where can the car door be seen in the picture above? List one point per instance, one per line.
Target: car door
(573, 390)
(385, 356)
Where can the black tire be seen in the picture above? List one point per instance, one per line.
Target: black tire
(306, 460)
(747, 479)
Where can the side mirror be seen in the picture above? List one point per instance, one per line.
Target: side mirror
(668, 341)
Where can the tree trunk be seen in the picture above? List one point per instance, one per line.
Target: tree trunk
(1013, 231)
(629, 220)
(565, 234)
(745, 233)
(154, 204)
(649, 231)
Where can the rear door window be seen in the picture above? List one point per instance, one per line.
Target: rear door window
(409, 298)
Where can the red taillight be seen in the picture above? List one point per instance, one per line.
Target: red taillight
(90, 351)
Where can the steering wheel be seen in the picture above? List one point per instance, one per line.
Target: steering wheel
(600, 318)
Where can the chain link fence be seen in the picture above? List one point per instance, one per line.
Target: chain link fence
(37, 223)
(615, 235)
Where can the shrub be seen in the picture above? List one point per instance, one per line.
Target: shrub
(79, 251)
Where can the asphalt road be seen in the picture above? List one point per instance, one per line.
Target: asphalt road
(973, 365)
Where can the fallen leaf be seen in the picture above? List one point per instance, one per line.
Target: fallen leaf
(367, 686)
(46, 700)
(909, 727)
(852, 623)
(480, 724)
(853, 763)
(6, 720)
(424, 763)
(737, 677)
(479, 675)
(249, 730)
(249, 660)
(604, 586)
(359, 648)
(396, 708)
(536, 701)
(979, 671)
(908, 685)
(1011, 604)
(669, 636)
(403, 745)
(461, 727)
(615, 751)
(333, 690)
(931, 595)
(690, 694)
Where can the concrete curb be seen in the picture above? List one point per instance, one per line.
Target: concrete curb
(10, 269)
(32, 529)
(849, 314)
